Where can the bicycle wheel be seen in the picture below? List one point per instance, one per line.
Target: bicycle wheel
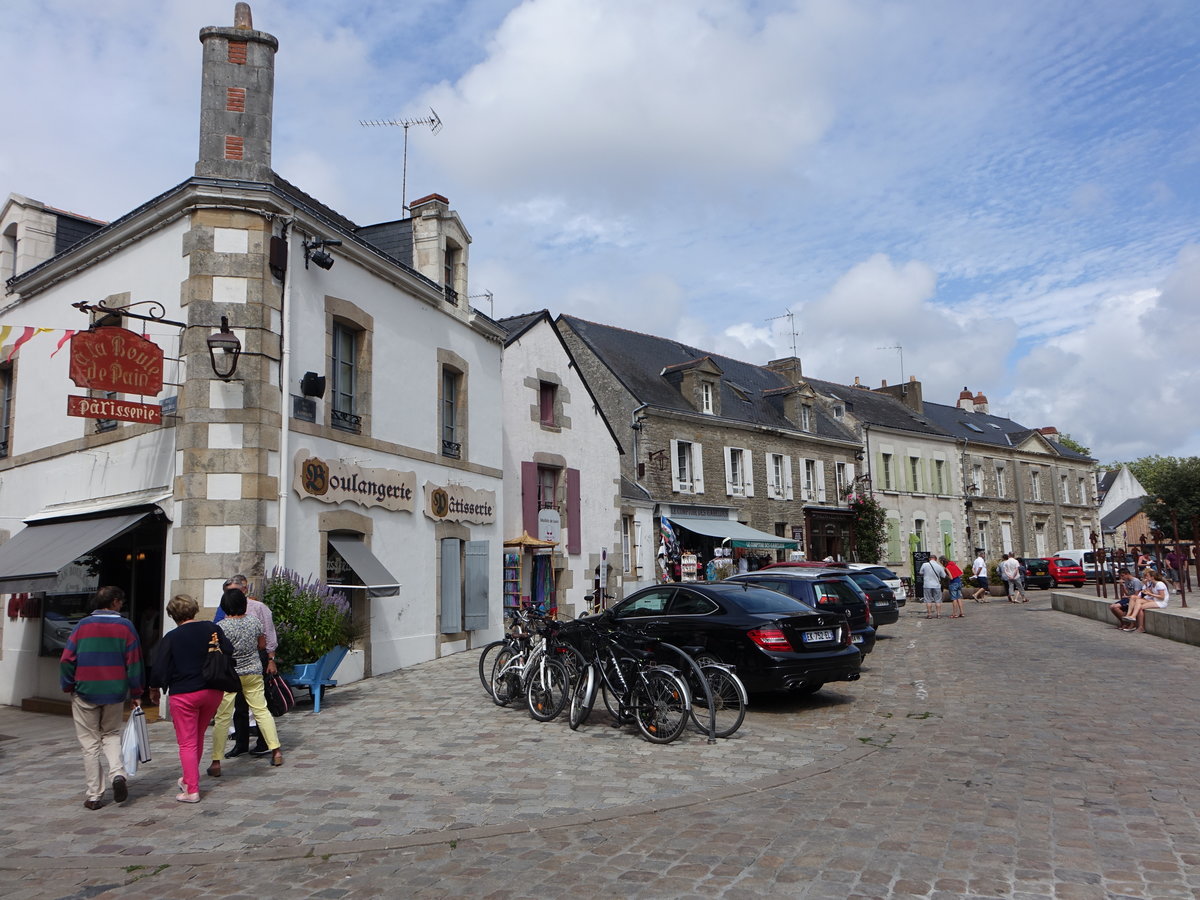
(486, 658)
(548, 689)
(571, 658)
(583, 695)
(660, 707)
(506, 677)
(729, 701)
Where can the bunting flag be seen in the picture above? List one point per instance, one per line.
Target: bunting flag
(28, 333)
(70, 333)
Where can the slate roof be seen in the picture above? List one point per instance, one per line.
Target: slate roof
(515, 326)
(638, 361)
(876, 408)
(988, 429)
(1104, 480)
(1122, 514)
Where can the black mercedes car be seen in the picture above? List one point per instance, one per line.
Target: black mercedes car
(775, 642)
(822, 589)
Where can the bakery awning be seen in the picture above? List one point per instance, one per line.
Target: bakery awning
(735, 533)
(31, 560)
(377, 580)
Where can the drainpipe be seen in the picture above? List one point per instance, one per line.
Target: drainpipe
(636, 427)
(285, 466)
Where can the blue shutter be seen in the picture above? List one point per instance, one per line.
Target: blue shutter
(451, 586)
(476, 587)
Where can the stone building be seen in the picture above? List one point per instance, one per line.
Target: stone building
(330, 403)
(1024, 491)
(732, 454)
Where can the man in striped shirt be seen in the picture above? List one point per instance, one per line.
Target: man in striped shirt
(101, 668)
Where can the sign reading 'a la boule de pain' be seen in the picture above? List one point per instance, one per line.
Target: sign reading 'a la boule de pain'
(339, 481)
(459, 503)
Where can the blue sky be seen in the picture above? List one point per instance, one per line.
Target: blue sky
(1010, 192)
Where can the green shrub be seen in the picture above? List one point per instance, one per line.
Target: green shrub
(311, 618)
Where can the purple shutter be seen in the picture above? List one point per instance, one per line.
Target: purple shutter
(529, 497)
(574, 541)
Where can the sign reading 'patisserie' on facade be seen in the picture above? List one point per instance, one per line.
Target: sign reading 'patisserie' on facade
(338, 481)
(459, 503)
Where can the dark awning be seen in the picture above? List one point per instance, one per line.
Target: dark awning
(737, 534)
(378, 581)
(31, 560)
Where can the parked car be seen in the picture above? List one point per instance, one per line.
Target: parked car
(884, 610)
(775, 642)
(822, 589)
(1065, 571)
(1037, 572)
(887, 576)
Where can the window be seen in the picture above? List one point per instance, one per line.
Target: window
(1001, 487)
(103, 425)
(1035, 485)
(919, 534)
(1083, 497)
(6, 386)
(977, 479)
(687, 467)
(839, 477)
(547, 395)
(449, 265)
(1070, 534)
(626, 544)
(737, 471)
(887, 471)
(810, 479)
(683, 465)
(914, 473)
(342, 414)
(706, 398)
(806, 417)
(547, 487)
(777, 473)
(838, 411)
(939, 476)
(1066, 491)
(451, 442)
(981, 538)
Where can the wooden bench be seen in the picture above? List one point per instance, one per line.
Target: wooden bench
(1176, 623)
(316, 676)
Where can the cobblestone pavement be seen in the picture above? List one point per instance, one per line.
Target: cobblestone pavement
(1017, 752)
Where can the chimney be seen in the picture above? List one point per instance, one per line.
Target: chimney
(966, 400)
(440, 245)
(788, 367)
(1050, 431)
(237, 85)
(981, 404)
(909, 394)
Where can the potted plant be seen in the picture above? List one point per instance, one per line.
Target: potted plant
(311, 618)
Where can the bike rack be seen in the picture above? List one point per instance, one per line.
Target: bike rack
(703, 682)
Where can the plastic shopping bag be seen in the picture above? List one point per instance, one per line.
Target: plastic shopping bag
(135, 741)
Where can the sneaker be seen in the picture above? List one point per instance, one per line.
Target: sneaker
(92, 804)
(1128, 619)
(120, 789)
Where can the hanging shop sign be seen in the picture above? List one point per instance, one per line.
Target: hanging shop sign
(125, 410)
(338, 481)
(458, 503)
(116, 359)
(549, 525)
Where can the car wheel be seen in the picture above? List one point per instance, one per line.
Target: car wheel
(1053, 585)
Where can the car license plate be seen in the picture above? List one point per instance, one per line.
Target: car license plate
(813, 637)
(856, 638)
(881, 603)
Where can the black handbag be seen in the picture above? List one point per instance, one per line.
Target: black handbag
(218, 668)
(280, 698)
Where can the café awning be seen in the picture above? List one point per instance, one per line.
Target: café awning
(734, 533)
(377, 580)
(31, 560)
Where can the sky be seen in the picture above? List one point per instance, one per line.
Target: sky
(998, 196)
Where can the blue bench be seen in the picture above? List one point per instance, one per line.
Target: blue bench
(316, 676)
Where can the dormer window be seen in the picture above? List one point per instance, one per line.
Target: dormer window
(806, 417)
(706, 398)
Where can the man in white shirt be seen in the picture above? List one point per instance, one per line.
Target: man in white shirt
(932, 574)
(980, 576)
(1010, 571)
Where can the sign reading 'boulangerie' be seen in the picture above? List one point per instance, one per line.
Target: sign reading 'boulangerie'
(338, 481)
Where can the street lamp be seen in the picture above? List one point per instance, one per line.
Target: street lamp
(224, 348)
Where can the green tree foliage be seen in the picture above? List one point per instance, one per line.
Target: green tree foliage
(1176, 483)
(1071, 444)
(869, 527)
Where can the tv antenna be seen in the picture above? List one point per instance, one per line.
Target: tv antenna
(433, 120)
(901, 350)
(490, 298)
(791, 317)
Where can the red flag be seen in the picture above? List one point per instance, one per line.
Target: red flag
(27, 334)
(66, 337)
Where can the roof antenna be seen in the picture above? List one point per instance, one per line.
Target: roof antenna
(791, 317)
(901, 349)
(490, 298)
(433, 120)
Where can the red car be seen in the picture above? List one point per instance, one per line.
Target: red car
(1065, 571)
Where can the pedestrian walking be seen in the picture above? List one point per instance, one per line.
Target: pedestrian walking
(1010, 571)
(241, 710)
(932, 574)
(956, 587)
(101, 667)
(980, 575)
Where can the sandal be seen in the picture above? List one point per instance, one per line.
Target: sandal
(188, 798)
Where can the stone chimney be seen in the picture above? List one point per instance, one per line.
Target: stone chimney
(908, 394)
(980, 403)
(788, 367)
(237, 86)
(966, 400)
(440, 245)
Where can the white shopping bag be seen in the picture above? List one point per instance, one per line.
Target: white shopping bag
(135, 741)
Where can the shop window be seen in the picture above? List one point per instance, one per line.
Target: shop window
(547, 395)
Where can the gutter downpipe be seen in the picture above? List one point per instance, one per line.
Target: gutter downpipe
(285, 357)
(635, 426)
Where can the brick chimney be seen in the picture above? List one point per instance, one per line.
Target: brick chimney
(788, 367)
(1050, 431)
(237, 86)
(966, 400)
(908, 394)
(980, 403)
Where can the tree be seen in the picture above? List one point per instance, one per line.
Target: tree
(1071, 444)
(869, 527)
(1172, 485)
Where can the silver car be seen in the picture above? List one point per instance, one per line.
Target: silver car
(886, 575)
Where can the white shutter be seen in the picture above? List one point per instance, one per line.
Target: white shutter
(675, 467)
(787, 477)
(729, 485)
(698, 468)
(820, 481)
(849, 480)
(748, 470)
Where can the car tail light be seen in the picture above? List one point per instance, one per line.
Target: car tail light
(770, 638)
(847, 637)
(868, 607)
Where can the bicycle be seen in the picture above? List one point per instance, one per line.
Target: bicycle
(527, 669)
(513, 618)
